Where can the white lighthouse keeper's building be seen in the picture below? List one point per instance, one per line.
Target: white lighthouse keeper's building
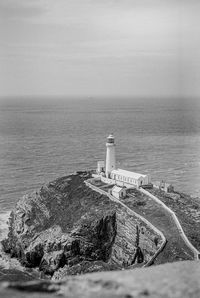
(127, 178)
(110, 155)
(118, 177)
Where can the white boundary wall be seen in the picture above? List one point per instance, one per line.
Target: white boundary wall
(180, 229)
(107, 180)
(130, 211)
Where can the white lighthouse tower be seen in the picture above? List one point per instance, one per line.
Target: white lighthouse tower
(110, 155)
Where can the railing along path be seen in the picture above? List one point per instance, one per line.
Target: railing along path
(131, 212)
(179, 227)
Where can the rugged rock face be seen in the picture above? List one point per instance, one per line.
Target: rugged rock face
(64, 223)
(67, 228)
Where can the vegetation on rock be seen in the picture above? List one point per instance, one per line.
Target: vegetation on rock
(68, 228)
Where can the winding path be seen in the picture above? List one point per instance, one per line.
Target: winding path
(131, 212)
(176, 221)
(180, 231)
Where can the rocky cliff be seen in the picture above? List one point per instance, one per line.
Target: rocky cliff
(67, 228)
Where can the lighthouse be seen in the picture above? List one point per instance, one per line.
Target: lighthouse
(110, 155)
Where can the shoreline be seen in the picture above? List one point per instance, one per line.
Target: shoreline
(12, 263)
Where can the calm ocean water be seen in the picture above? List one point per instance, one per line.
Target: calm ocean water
(44, 139)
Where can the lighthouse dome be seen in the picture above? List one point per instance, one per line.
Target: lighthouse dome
(110, 138)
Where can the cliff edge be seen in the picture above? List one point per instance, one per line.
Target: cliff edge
(62, 223)
(66, 228)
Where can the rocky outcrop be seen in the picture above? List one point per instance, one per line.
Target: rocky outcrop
(135, 241)
(178, 280)
(67, 228)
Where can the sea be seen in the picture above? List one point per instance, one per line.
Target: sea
(45, 138)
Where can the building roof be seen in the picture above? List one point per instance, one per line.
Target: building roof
(116, 188)
(111, 136)
(128, 173)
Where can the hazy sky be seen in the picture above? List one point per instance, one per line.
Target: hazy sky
(100, 47)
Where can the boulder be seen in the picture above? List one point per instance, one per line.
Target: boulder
(180, 280)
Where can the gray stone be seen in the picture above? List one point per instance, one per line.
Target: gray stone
(174, 280)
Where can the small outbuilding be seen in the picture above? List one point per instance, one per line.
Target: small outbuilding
(100, 167)
(118, 192)
(162, 185)
(168, 187)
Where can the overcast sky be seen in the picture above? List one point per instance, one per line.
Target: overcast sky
(100, 47)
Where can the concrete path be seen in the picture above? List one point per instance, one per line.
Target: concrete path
(131, 212)
(176, 222)
(180, 233)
